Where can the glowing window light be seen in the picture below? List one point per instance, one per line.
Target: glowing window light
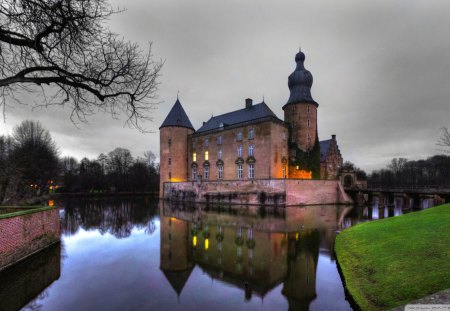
(206, 244)
(206, 155)
(296, 236)
(194, 157)
(194, 240)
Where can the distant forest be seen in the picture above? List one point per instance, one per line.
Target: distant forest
(30, 166)
(432, 172)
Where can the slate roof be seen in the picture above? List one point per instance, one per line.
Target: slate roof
(257, 111)
(178, 279)
(324, 147)
(177, 117)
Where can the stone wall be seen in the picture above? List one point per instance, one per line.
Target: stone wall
(25, 234)
(262, 192)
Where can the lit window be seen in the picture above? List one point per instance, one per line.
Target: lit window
(284, 171)
(206, 172)
(194, 173)
(239, 136)
(251, 134)
(219, 153)
(219, 140)
(170, 161)
(251, 171)
(251, 150)
(220, 171)
(206, 155)
(206, 142)
(194, 157)
(239, 151)
(240, 171)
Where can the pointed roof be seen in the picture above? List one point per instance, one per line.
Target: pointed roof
(178, 279)
(177, 117)
(252, 113)
(325, 146)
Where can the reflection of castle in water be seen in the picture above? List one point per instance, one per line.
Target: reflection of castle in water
(250, 252)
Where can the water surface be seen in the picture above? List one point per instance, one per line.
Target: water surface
(142, 254)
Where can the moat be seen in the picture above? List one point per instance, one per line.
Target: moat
(141, 254)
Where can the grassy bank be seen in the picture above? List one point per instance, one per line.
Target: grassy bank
(393, 261)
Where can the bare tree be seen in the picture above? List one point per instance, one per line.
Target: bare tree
(63, 49)
(444, 140)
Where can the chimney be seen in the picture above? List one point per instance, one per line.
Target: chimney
(248, 103)
(333, 137)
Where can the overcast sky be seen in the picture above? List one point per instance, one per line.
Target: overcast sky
(381, 71)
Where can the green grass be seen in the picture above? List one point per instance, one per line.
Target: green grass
(13, 211)
(391, 262)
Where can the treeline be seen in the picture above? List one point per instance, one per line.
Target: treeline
(30, 166)
(434, 171)
(116, 171)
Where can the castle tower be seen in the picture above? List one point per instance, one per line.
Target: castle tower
(173, 146)
(300, 111)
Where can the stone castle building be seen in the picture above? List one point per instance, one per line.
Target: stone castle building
(251, 143)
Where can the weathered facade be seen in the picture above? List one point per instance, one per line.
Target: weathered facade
(249, 144)
(330, 158)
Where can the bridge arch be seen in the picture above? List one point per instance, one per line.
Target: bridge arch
(348, 180)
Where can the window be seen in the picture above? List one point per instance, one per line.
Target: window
(251, 150)
(194, 157)
(284, 136)
(239, 136)
(170, 142)
(206, 142)
(283, 152)
(251, 171)
(194, 173)
(292, 124)
(308, 123)
(170, 175)
(206, 172)
(220, 171)
(308, 108)
(251, 134)
(206, 155)
(292, 138)
(170, 161)
(193, 144)
(219, 153)
(240, 171)
(219, 140)
(284, 171)
(239, 151)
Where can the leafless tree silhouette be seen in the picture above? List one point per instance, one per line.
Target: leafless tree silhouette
(62, 49)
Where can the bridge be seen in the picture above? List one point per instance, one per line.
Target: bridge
(412, 195)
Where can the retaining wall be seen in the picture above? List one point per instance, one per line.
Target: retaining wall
(26, 232)
(261, 192)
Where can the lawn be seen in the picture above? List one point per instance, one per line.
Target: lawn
(390, 262)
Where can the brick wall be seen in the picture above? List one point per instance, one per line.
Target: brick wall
(267, 191)
(23, 235)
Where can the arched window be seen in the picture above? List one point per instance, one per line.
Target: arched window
(220, 172)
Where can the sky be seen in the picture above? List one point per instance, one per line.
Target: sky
(381, 72)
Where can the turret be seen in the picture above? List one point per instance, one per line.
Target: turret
(173, 143)
(300, 111)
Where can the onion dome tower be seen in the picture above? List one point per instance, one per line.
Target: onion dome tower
(300, 111)
(173, 146)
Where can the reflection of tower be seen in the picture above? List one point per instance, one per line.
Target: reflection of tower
(175, 262)
(173, 143)
(300, 284)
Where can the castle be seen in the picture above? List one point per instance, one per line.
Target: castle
(251, 143)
